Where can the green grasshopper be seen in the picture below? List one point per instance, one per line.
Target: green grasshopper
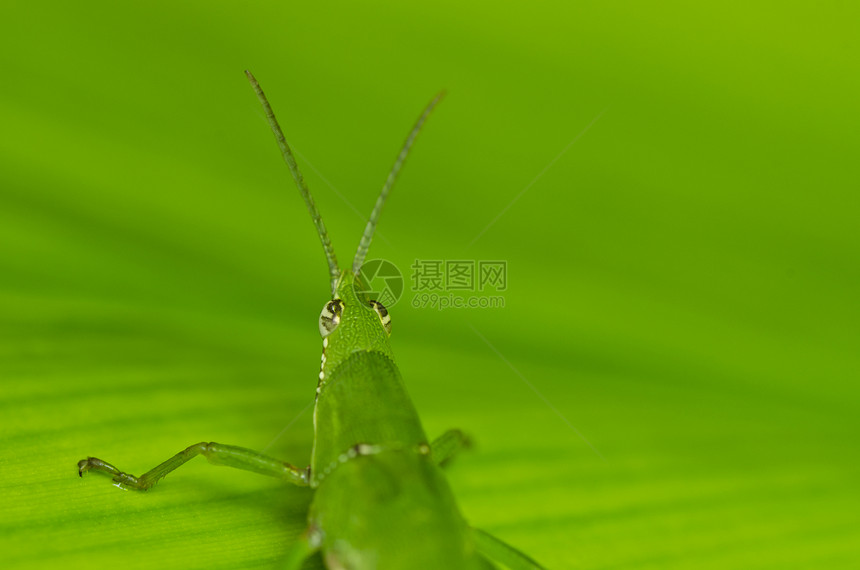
(381, 500)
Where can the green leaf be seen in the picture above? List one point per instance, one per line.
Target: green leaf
(671, 383)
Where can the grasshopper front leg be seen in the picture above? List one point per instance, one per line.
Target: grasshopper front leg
(216, 453)
(448, 445)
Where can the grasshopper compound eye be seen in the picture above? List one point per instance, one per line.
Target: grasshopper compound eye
(330, 317)
(383, 315)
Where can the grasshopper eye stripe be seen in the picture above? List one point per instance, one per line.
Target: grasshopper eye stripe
(330, 317)
(383, 315)
(369, 445)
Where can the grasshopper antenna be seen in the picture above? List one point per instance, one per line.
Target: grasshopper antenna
(334, 272)
(367, 237)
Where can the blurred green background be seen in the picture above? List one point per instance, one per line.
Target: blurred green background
(683, 280)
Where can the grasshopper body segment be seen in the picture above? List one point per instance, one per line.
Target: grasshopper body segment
(391, 508)
(371, 458)
(363, 408)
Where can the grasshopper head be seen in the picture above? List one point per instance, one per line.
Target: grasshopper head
(351, 321)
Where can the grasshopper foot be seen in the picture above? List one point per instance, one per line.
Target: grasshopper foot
(85, 465)
(97, 464)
